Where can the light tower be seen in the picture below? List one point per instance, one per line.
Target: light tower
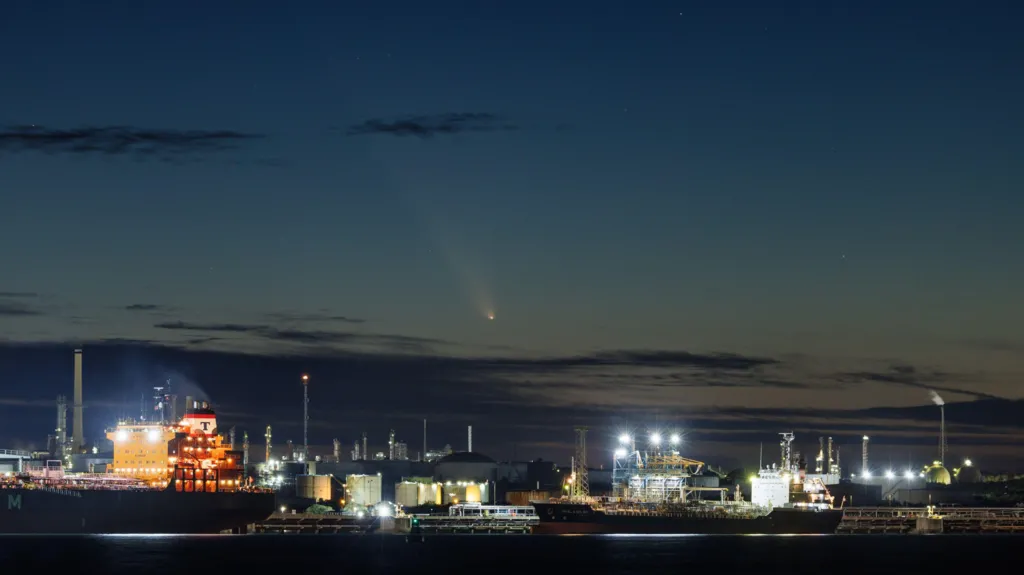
(581, 482)
(305, 417)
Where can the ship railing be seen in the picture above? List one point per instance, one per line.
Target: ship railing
(15, 453)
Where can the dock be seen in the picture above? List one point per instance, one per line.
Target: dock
(466, 519)
(869, 520)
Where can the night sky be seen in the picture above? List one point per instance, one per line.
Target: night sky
(727, 218)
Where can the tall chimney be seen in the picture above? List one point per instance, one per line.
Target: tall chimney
(830, 461)
(78, 435)
(365, 453)
(469, 446)
(423, 456)
(942, 435)
(864, 457)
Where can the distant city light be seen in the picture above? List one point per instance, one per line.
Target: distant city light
(620, 452)
(624, 438)
(674, 440)
(655, 438)
(866, 475)
(967, 463)
(908, 475)
(889, 474)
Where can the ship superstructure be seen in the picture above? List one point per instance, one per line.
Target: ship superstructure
(191, 451)
(657, 490)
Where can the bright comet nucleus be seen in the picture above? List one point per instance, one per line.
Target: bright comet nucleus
(490, 315)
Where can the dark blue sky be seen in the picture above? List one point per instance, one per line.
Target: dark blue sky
(829, 188)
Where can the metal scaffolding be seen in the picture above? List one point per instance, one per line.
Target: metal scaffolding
(580, 478)
(654, 476)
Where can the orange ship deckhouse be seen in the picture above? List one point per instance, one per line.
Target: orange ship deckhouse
(192, 451)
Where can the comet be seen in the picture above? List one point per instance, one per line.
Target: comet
(490, 315)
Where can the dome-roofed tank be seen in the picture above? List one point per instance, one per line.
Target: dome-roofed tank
(936, 473)
(468, 471)
(968, 473)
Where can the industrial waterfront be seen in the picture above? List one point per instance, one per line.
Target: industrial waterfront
(645, 486)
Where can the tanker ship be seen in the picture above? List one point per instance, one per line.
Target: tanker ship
(654, 493)
(179, 478)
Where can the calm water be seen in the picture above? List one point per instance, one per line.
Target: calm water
(530, 555)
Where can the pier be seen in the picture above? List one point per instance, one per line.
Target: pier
(467, 519)
(868, 520)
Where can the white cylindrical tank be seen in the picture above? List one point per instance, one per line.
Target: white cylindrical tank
(315, 487)
(363, 489)
(407, 494)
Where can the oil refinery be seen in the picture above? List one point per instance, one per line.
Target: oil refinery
(645, 474)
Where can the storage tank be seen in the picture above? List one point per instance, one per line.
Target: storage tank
(465, 492)
(414, 494)
(363, 489)
(315, 487)
(407, 494)
(466, 466)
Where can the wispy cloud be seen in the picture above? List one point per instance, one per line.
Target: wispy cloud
(310, 337)
(18, 294)
(144, 307)
(18, 309)
(425, 126)
(297, 317)
(140, 143)
(909, 376)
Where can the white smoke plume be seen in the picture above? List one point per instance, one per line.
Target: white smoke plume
(936, 399)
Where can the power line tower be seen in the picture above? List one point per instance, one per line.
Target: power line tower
(581, 482)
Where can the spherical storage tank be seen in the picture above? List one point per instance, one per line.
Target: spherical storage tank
(968, 474)
(936, 473)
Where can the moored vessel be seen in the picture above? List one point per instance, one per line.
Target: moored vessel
(180, 478)
(653, 494)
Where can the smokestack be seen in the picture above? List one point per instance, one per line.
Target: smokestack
(942, 435)
(820, 461)
(364, 446)
(78, 435)
(830, 456)
(267, 436)
(337, 450)
(423, 456)
(188, 405)
(470, 439)
(245, 449)
(391, 445)
(864, 457)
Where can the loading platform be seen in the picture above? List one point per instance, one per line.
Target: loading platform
(937, 519)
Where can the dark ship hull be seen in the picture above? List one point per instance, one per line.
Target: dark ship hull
(581, 518)
(96, 511)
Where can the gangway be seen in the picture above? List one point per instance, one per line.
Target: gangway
(19, 457)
